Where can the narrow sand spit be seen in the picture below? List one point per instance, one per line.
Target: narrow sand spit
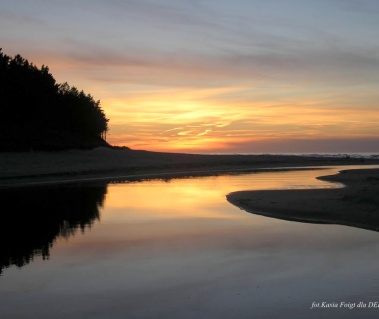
(356, 204)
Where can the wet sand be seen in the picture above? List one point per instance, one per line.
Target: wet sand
(108, 163)
(355, 204)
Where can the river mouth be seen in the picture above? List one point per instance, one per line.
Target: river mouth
(176, 247)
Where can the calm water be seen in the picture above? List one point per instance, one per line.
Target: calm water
(177, 249)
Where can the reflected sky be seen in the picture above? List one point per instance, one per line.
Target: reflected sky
(178, 249)
(197, 197)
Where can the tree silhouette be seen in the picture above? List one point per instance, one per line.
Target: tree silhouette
(38, 113)
(31, 226)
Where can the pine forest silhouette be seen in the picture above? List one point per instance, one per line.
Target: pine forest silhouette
(36, 113)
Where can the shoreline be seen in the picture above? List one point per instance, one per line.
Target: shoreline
(356, 204)
(98, 177)
(108, 164)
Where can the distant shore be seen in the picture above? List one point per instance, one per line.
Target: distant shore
(107, 163)
(356, 204)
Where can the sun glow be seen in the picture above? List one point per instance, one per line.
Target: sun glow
(175, 75)
(179, 123)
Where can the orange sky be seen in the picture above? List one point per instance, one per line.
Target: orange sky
(194, 76)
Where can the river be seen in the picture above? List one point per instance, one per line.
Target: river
(176, 248)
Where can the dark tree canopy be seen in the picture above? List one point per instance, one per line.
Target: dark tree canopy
(38, 113)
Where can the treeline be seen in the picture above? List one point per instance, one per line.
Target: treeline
(36, 113)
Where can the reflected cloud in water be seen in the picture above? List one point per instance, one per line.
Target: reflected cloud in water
(35, 217)
(175, 248)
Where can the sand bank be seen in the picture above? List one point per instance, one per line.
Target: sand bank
(103, 163)
(356, 204)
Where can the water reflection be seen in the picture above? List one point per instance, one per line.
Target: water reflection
(33, 218)
(36, 217)
(178, 249)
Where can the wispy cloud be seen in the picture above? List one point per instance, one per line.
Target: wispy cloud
(210, 74)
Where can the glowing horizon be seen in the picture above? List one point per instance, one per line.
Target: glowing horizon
(215, 76)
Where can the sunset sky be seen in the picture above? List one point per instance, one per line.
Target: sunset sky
(217, 76)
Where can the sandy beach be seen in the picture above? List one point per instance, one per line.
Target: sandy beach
(37, 167)
(179, 244)
(356, 204)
